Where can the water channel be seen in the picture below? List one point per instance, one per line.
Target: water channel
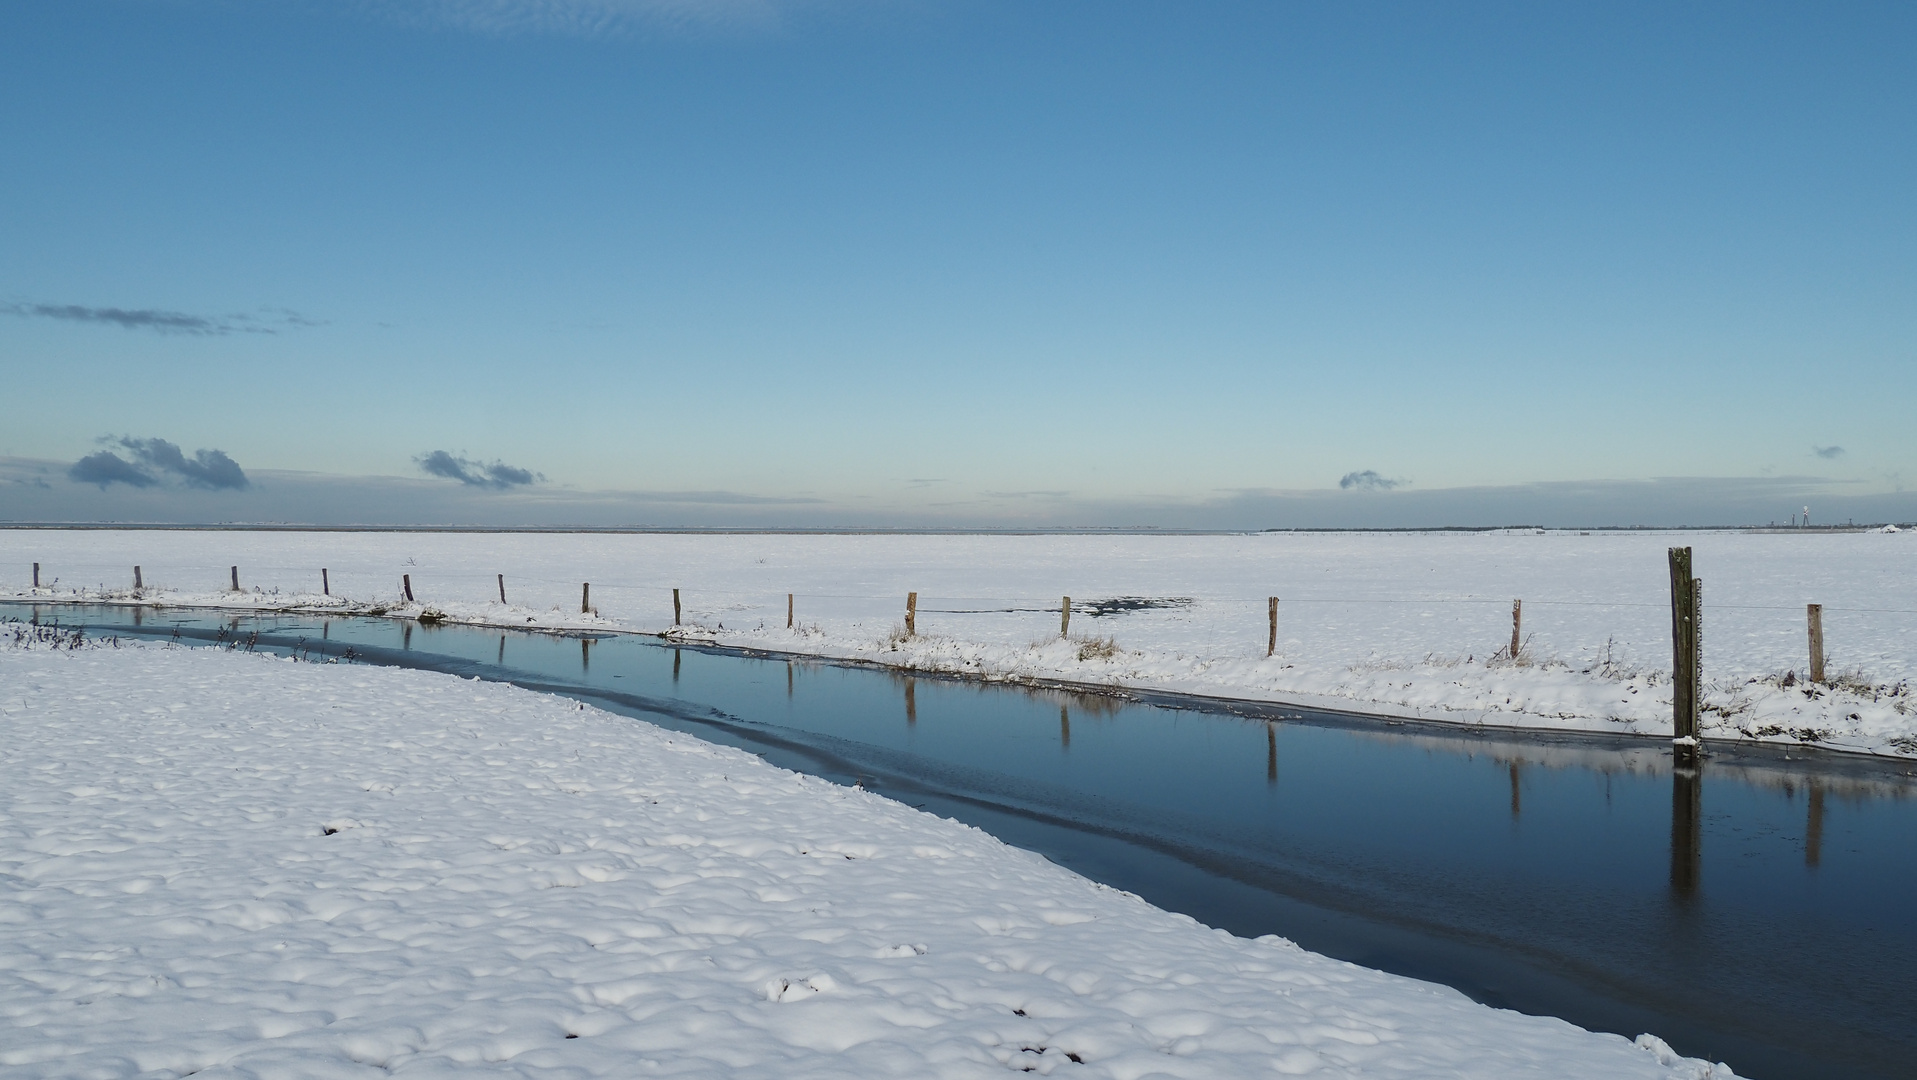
(1761, 910)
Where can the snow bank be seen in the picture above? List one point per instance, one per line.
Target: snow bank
(225, 865)
(1402, 623)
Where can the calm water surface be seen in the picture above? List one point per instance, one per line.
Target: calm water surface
(1760, 911)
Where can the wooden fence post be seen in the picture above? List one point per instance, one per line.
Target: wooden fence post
(406, 582)
(1065, 618)
(911, 614)
(675, 613)
(36, 575)
(1517, 626)
(137, 584)
(585, 598)
(788, 611)
(502, 588)
(1271, 617)
(1816, 616)
(1684, 652)
(326, 585)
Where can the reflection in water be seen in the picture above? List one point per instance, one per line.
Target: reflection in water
(1271, 752)
(1517, 804)
(405, 634)
(501, 661)
(1687, 825)
(585, 654)
(1064, 727)
(911, 701)
(788, 678)
(675, 665)
(1814, 826)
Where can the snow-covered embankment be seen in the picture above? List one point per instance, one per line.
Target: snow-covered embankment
(226, 865)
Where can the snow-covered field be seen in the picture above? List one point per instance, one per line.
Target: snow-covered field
(1411, 624)
(225, 865)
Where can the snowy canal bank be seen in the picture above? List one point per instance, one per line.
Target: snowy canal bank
(230, 865)
(1411, 624)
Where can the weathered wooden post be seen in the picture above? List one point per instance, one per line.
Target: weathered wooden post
(1517, 625)
(326, 585)
(137, 584)
(236, 579)
(675, 613)
(406, 583)
(911, 614)
(36, 575)
(502, 588)
(585, 598)
(1816, 616)
(1271, 619)
(1065, 618)
(1686, 642)
(788, 611)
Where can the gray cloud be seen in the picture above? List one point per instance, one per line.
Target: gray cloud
(212, 470)
(107, 467)
(1367, 480)
(498, 476)
(1828, 452)
(269, 321)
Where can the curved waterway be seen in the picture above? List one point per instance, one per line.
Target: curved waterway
(1761, 910)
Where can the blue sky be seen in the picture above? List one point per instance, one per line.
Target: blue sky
(960, 263)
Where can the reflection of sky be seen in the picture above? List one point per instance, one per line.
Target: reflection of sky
(1068, 263)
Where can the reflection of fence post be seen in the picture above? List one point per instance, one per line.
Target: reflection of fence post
(326, 584)
(1271, 617)
(788, 611)
(1517, 624)
(585, 598)
(236, 579)
(675, 611)
(1065, 618)
(911, 614)
(911, 701)
(1685, 643)
(405, 582)
(1816, 616)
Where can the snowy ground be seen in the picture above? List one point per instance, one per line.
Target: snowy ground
(1409, 624)
(225, 865)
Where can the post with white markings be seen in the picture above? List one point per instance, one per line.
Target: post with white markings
(911, 614)
(1517, 625)
(1065, 618)
(1815, 612)
(1271, 618)
(1685, 645)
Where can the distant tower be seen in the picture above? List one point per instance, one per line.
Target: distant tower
(1807, 515)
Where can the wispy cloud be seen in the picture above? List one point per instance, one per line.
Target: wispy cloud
(1367, 480)
(211, 470)
(266, 321)
(586, 18)
(498, 475)
(1828, 452)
